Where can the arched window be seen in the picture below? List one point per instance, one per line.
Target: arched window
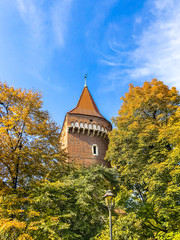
(72, 124)
(81, 125)
(105, 130)
(90, 126)
(94, 126)
(76, 124)
(102, 129)
(95, 149)
(85, 125)
(98, 127)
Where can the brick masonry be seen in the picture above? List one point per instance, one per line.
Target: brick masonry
(78, 139)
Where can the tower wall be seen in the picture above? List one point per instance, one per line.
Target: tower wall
(82, 134)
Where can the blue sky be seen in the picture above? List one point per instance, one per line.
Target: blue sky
(49, 45)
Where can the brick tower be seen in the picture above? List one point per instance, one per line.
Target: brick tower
(84, 132)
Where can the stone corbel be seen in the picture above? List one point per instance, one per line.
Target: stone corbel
(102, 134)
(105, 135)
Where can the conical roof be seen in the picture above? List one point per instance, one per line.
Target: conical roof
(86, 105)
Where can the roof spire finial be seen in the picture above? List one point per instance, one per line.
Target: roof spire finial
(85, 80)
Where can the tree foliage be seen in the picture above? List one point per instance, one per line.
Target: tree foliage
(29, 152)
(144, 147)
(73, 207)
(29, 142)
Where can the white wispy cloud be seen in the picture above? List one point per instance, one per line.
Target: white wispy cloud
(46, 29)
(100, 13)
(157, 51)
(34, 18)
(138, 20)
(42, 22)
(61, 15)
(102, 9)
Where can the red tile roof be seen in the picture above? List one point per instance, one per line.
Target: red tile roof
(86, 105)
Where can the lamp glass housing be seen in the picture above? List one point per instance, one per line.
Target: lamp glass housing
(109, 199)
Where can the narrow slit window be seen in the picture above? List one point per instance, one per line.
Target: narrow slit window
(95, 149)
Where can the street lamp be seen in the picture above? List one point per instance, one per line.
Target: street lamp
(109, 198)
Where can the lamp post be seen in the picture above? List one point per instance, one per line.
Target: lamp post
(109, 198)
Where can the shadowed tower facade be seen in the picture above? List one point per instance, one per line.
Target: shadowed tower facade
(84, 133)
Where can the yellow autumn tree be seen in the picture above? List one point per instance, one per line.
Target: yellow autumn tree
(145, 148)
(29, 139)
(29, 151)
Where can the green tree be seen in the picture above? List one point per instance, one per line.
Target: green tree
(144, 147)
(125, 227)
(72, 207)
